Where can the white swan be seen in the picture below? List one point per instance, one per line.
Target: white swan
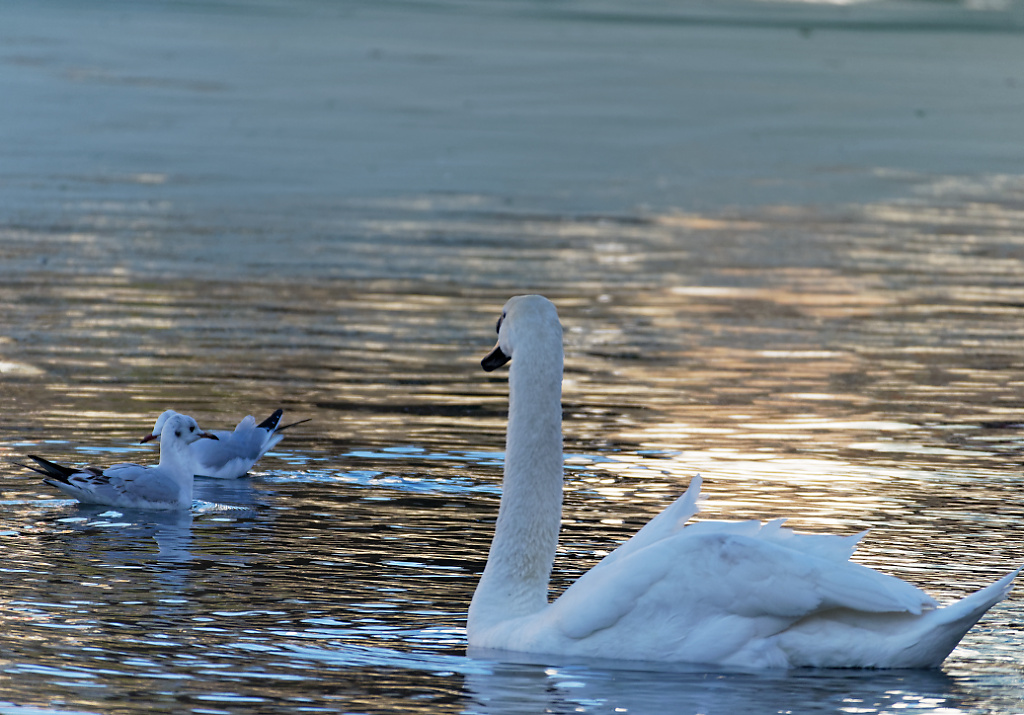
(133, 486)
(742, 594)
(234, 453)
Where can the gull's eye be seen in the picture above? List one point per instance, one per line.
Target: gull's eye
(192, 428)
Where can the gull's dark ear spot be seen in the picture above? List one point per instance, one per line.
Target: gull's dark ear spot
(177, 433)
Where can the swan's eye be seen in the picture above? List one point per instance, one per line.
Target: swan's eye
(497, 328)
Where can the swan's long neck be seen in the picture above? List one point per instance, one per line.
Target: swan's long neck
(515, 581)
(176, 458)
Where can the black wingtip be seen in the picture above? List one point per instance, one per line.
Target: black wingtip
(50, 469)
(270, 424)
(27, 466)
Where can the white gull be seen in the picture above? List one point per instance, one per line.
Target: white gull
(234, 453)
(166, 486)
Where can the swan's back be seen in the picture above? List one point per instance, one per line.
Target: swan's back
(745, 594)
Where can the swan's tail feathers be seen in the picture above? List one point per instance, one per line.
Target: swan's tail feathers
(974, 606)
(944, 627)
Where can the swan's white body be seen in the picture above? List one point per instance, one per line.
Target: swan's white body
(166, 486)
(742, 594)
(234, 453)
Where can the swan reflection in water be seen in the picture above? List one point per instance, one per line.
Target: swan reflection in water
(520, 682)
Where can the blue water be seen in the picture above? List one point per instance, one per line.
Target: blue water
(276, 109)
(784, 240)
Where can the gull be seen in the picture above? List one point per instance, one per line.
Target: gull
(166, 486)
(234, 453)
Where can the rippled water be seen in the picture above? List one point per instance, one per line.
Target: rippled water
(847, 364)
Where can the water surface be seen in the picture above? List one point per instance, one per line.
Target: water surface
(775, 266)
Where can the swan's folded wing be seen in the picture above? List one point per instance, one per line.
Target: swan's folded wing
(668, 522)
(827, 546)
(691, 580)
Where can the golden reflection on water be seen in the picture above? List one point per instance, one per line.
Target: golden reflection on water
(786, 331)
(771, 334)
(846, 371)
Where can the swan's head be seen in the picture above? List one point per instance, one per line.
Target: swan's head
(160, 422)
(526, 319)
(184, 428)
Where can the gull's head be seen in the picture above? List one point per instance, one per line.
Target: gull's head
(180, 427)
(160, 422)
(524, 320)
